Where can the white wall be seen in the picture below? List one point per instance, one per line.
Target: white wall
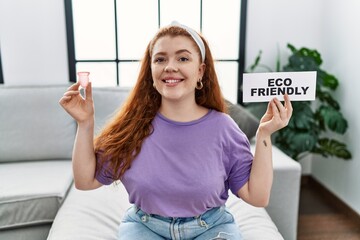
(273, 24)
(342, 31)
(331, 27)
(33, 42)
(33, 48)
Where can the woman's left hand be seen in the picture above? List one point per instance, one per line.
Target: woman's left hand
(276, 116)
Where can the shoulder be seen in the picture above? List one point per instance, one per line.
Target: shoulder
(227, 128)
(226, 121)
(221, 117)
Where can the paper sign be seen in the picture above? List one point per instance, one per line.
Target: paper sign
(262, 87)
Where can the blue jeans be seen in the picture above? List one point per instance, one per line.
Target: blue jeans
(215, 224)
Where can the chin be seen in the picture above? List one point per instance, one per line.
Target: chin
(172, 98)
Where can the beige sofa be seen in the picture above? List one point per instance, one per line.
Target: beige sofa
(38, 200)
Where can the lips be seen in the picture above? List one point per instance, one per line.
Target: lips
(171, 81)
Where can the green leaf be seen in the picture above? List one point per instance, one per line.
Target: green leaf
(281, 141)
(313, 54)
(327, 98)
(290, 140)
(292, 48)
(327, 80)
(257, 60)
(278, 60)
(303, 141)
(333, 119)
(303, 116)
(298, 62)
(304, 59)
(334, 148)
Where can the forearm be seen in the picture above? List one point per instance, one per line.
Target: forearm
(257, 190)
(84, 161)
(261, 175)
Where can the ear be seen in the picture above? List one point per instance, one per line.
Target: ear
(202, 68)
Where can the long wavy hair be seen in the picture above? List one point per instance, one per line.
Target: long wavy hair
(120, 140)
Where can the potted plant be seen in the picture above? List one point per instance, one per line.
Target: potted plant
(307, 131)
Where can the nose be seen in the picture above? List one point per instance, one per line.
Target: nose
(170, 68)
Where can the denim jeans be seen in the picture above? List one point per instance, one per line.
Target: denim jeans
(215, 224)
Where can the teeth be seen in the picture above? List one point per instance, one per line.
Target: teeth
(172, 81)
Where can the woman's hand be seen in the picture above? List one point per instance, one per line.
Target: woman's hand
(276, 116)
(80, 109)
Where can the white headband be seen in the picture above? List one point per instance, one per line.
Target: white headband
(195, 36)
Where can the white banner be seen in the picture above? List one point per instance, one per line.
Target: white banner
(262, 87)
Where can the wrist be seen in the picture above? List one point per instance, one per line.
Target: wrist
(263, 137)
(261, 133)
(89, 123)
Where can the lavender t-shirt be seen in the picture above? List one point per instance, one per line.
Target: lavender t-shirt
(186, 168)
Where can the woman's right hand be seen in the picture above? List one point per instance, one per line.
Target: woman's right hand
(81, 109)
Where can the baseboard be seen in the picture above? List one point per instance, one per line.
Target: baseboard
(330, 197)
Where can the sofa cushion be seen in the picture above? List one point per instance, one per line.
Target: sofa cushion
(246, 121)
(32, 192)
(90, 215)
(33, 124)
(254, 223)
(96, 214)
(107, 101)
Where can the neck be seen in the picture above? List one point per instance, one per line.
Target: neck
(182, 111)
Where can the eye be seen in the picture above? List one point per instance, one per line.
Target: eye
(159, 60)
(183, 59)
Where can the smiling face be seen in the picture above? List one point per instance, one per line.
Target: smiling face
(176, 68)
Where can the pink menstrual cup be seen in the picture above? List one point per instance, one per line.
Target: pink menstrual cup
(83, 78)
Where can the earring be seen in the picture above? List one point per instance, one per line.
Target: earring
(154, 85)
(199, 85)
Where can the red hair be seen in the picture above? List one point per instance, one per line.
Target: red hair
(122, 137)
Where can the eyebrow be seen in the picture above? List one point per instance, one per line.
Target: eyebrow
(177, 52)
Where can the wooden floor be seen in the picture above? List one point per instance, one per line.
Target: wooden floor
(322, 217)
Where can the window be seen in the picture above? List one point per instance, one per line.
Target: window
(109, 37)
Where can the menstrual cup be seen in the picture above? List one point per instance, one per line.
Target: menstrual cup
(83, 78)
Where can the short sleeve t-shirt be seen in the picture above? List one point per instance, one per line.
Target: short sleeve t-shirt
(186, 168)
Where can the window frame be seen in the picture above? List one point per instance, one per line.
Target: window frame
(1, 72)
(71, 44)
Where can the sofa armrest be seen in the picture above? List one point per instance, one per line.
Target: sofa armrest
(284, 200)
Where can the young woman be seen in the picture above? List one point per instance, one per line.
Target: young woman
(174, 147)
